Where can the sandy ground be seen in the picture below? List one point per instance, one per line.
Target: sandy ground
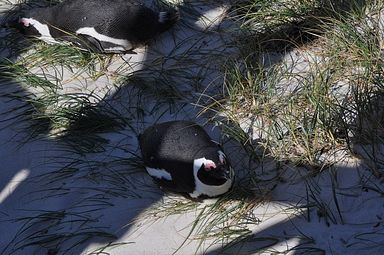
(54, 200)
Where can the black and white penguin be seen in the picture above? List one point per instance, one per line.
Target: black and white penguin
(105, 26)
(182, 158)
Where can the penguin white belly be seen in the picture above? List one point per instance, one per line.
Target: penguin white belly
(211, 191)
(121, 44)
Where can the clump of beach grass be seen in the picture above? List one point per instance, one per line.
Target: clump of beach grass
(43, 72)
(299, 107)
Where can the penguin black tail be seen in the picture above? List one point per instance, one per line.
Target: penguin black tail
(168, 18)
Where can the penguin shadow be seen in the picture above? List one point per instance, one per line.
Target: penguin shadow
(148, 85)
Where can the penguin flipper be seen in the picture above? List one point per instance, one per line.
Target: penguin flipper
(169, 186)
(91, 43)
(85, 42)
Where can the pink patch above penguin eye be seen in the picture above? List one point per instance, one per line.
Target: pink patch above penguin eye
(25, 22)
(209, 166)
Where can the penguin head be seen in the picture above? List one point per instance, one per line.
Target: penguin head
(214, 170)
(24, 26)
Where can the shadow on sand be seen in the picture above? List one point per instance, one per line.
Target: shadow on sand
(66, 200)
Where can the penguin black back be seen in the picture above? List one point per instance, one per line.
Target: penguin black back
(177, 140)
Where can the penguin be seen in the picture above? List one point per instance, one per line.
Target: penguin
(103, 26)
(182, 158)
